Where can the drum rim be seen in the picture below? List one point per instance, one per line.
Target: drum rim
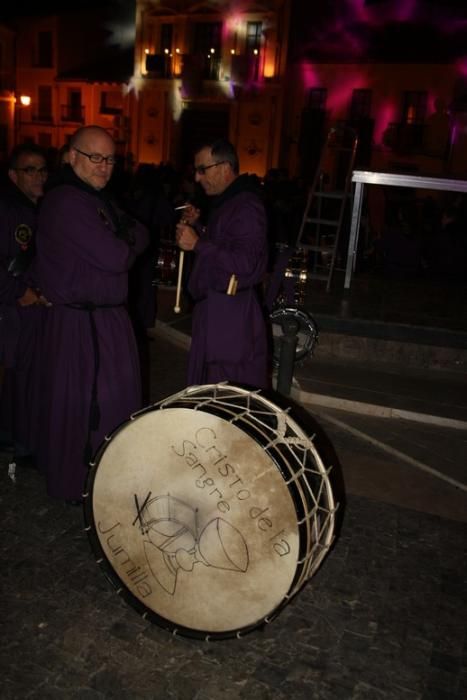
(308, 321)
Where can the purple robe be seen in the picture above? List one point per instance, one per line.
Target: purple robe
(229, 339)
(19, 326)
(81, 260)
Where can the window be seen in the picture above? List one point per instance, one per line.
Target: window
(3, 139)
(414, 107)
(207, 44)
(74, 108)
(253, 44)
(207, 37)
(44, 50)
(360, 107)
(253, 36)
(44, 103)
(111, 102)
(406, 137)
(317, 98)
(166, 38)
(312, 131)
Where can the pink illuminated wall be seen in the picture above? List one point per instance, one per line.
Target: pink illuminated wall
(389, 47)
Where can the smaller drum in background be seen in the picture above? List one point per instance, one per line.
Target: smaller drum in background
(307, 335)
(165, 273)
(210, 510)
(296, 276)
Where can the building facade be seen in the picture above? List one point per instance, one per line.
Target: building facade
(199, 69)
(7, 89)
(409, 117)
(71, 79)
(206, 70)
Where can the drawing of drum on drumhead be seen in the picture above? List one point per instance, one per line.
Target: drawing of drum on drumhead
(210, 510)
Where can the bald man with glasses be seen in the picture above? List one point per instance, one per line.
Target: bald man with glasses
(228, 331)
(91, 376)
(20, 315)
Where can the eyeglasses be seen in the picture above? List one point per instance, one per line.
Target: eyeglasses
(97, 157)
(31, 170)
(201, 169)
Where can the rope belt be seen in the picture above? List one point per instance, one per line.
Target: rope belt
(94, 410)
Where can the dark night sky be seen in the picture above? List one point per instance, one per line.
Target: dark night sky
(404, 30)
(15, 8)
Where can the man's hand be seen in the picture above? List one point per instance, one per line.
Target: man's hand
(190, 215)
(29, 298)
(186, 236)
(32, 297)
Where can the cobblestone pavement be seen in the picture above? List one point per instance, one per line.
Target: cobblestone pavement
(383, 618)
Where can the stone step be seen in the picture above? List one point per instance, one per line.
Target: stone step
(386, 344)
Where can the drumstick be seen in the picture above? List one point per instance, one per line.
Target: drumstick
(179, 283)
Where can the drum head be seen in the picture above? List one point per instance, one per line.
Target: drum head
(307, 333)
(194, 522)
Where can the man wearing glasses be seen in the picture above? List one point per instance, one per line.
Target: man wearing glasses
(20, 316)
(91, 378)
(228, 330)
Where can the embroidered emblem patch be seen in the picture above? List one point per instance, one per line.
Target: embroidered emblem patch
(23, 235)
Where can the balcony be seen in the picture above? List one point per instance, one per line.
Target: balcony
(245, 68)
(158, 65)
(404, 138)
(211, 67)
(43, 117)
(72, 113)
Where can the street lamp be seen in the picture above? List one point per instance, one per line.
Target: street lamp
(22, 101)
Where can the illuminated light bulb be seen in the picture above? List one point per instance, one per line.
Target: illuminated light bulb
(213, 50)
(177, 50)
(25, 100)
(255, 51)
(232, 51)
(166, 51)
(146, 50)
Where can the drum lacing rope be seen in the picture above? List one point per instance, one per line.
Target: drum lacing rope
(94, 410)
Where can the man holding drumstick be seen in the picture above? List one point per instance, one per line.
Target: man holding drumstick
(229, 333)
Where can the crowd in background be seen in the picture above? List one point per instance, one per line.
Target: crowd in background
(416, 234)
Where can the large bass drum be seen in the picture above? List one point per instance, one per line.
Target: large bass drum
(209, 511)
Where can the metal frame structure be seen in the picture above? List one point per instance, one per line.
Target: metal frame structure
(362, 177)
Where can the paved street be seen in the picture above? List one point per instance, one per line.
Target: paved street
(384, 617)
